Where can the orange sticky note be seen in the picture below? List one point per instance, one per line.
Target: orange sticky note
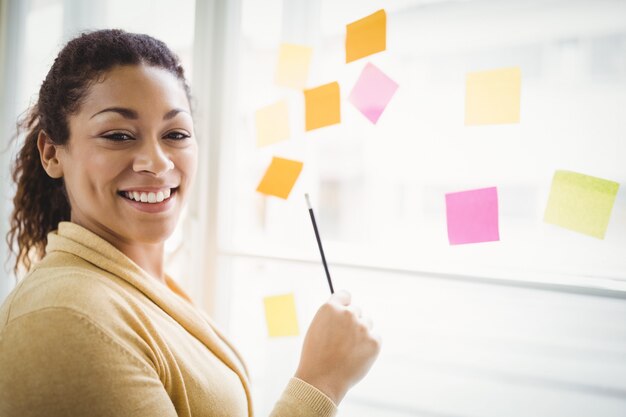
(280, 177)
(293, 65)
(272, 123)
(280, 315)
(322, 106)
(366, 36)
(493, 97)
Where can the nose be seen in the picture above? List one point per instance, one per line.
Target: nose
(151, 158)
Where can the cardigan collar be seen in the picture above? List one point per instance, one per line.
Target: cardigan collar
(79, 241)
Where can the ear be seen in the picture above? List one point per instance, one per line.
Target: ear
(49, 154)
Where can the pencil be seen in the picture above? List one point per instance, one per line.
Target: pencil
(319, 243)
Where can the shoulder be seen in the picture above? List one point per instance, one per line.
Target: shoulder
(65, 302)
(53, 331)
(68, 283)
(56, 361)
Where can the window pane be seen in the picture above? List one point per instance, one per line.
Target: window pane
(450, 348)
(379, 189)
(455, 343)
(43, 36)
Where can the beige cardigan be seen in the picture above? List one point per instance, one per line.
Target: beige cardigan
(88, 333)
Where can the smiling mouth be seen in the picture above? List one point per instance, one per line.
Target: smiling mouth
(148, 197)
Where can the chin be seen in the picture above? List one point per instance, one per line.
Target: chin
(153, 232)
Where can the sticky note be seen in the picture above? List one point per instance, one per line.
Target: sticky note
(493, 97)
(322, 106)
(581, 203)
(366, 36)
(293, 65)
(472, 216)
(280, 315)
(280, 177)
(372, 92)
(272, 123)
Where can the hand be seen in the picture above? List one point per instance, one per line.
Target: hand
(339, 347)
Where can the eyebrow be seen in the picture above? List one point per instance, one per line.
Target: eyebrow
(133, 115)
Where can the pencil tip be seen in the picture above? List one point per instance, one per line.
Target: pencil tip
(308, 202)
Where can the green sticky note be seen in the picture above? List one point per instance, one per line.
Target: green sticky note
(280, 314)
(581, 203)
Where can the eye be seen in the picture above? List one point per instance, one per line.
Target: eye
(118, 136)
(177, 136)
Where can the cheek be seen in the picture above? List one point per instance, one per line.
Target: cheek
(92, 170)
(188, 161)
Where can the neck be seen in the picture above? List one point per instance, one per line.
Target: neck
(149, 256)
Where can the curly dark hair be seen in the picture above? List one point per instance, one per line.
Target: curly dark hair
(40, 201)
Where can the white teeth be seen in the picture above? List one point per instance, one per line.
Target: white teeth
(149, 197)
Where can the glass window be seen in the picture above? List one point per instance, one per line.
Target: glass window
(379, 189)
(528, 325)
(44, 20)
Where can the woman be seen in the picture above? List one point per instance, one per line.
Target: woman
(97, 328)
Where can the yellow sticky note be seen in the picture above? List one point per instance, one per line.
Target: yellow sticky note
(581, 203)
(366, 36)
(280, 314)
(322, 106)
(272, 123)
(293, 65)
(493, 97)
(280, 177)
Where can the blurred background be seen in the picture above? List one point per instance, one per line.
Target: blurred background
(531, 325)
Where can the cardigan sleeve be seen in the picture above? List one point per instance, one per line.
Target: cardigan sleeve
(57, 362)
(300, 399)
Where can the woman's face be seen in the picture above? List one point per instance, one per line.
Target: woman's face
(132, 155)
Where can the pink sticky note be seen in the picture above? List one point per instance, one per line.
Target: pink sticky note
(372, 92)
(472, 216)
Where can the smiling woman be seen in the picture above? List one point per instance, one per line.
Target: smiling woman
(133, 135)
(97, 327)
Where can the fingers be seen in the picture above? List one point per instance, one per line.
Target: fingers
(361, 317)
(341, 297)
(356, 310)
(378, 342)
(367, 321)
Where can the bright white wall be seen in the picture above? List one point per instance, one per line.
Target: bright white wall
(532, 325)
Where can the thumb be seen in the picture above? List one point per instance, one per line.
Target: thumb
(341, 297)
